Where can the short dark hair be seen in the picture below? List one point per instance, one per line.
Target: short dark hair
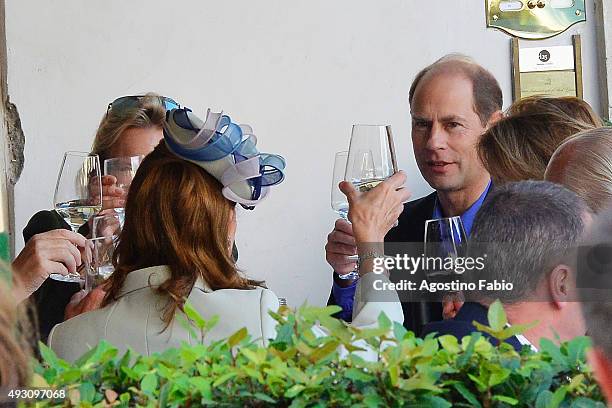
(598, 313)
(487, 93)
(525, 229)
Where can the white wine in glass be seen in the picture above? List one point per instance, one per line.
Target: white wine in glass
(78, 195)
(371, 157)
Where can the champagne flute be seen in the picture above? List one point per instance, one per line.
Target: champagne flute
(124, 170)
(339, 202)
(444, 238)
(105, 233)
(78, 195)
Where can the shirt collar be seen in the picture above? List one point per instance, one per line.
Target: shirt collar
(152, 277)
(467, 218)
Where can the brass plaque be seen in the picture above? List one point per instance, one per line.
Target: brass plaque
(534, 19)
(551, 83)
(553, 71)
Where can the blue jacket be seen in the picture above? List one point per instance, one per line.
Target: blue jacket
(462, 326)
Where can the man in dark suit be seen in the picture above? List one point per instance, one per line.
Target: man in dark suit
(527, 233)
(452, 102)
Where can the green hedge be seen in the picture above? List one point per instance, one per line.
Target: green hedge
(299, 369)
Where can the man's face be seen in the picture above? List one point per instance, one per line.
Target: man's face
(445, 131)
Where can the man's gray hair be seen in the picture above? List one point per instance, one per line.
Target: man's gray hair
(487, 93)
(525, 229)
(598, 313)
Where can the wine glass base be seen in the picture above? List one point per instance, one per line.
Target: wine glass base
(66, 278)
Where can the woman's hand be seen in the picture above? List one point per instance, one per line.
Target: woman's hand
(82, 302)
(113, 196)
(374, 213)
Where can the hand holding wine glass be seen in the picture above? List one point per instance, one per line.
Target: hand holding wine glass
(77, 195)
(374, 212)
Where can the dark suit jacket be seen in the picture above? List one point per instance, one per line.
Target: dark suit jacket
(462, 326)
(411, 228)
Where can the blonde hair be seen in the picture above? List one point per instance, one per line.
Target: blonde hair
(574, 108)
(147, 112)
(520, 146)
(587, 169)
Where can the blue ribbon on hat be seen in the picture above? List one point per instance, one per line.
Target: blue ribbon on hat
(223, 139)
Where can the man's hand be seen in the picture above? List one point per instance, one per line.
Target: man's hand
(54, 251)
(451, 304)
(374, 213)
(82, 302)
(340, 245)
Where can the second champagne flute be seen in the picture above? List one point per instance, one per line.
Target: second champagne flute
(78, 195)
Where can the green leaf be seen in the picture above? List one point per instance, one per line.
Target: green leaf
(467, 394)
(254, 356)
(356, 374)
(431, 401)
(450, 344)
(399, 331)
(507, 400)
(125, 397)
(237, 337)
(322, 352)
(479, 384)
(514, 330)
(212, 322)
(263, 397)
(87, 392)
(544, 399)
(468, 344)
(576, 382)
(576, 349)
(194, 316)
(498, 376)
(383, 321)
(224, 378)
(149, 383)
(394, 374)
(497, 316)
(203, 386)
(547, 346)
(49, 356)
(294, 391)
(558, 397)
(374, 400)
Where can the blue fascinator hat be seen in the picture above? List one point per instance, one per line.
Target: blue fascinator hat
(227, 151)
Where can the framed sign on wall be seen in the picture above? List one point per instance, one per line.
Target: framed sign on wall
(553, 70)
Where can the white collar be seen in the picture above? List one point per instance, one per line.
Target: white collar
(523, 340)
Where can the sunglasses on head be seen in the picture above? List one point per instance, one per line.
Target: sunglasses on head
(134, 101)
